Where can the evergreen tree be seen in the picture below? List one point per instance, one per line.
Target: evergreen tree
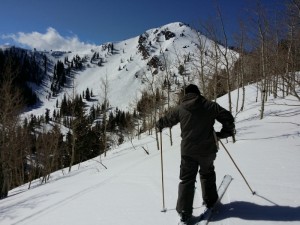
(64, 110)
(47, 116)
(45, 64)
(112, 48)
(87, 94)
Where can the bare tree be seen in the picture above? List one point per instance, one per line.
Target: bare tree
(209, 29)
(150, 110)
(240, 40)
(292, 24)
(168, 83)
(11, 105)
(73, 140)
(105, 91)
(50, 143)
(137, 118)
(263, 26)
(227, 59)
(200, 62)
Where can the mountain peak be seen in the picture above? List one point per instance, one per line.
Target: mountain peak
(129, 65)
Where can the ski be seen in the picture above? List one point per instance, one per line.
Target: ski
(208, 213)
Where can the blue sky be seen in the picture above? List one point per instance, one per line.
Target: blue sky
(79, 22)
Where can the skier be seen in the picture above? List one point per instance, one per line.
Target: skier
(197, 116)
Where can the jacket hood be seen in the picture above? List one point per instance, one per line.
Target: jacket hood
(191, 101)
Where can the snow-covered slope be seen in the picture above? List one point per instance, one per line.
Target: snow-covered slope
(129, 191)
(126, 66)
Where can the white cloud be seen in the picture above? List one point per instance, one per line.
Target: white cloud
(51, 40)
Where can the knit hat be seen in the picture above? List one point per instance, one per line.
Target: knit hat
(192, 88)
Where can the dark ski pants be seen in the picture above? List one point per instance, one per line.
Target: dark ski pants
(188, 174)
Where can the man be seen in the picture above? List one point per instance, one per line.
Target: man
(197, 116)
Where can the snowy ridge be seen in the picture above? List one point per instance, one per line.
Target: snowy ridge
(126, 67)
(129, 191)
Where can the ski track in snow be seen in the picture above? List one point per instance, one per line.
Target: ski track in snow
(129, 191)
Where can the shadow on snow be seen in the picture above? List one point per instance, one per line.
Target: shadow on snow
(251, 211)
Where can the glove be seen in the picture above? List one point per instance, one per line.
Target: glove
(221, 135)
(226, 131)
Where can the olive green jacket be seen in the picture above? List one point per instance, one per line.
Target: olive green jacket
(197, 116)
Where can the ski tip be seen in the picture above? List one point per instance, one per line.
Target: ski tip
(228, 177)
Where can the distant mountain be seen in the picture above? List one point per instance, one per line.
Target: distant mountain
(168, 54)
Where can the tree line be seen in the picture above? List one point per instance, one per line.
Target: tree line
(267, 43)
(24, 68)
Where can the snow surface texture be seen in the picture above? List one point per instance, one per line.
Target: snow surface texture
(129, 191)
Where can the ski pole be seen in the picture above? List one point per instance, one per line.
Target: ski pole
(162, 174)
(253, 192)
